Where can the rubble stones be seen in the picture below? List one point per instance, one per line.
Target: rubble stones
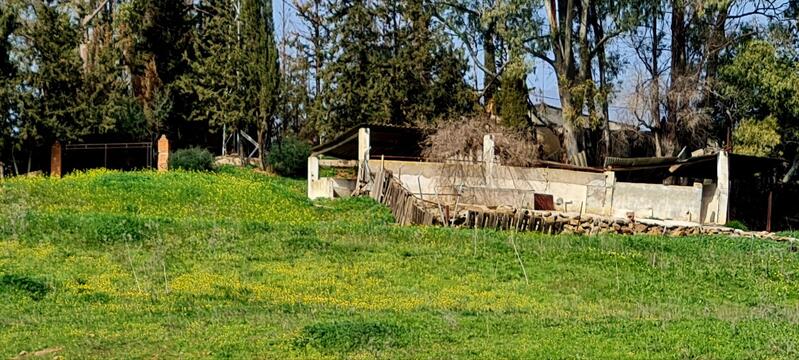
(554, 222)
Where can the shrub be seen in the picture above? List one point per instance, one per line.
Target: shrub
(289, 157)
(192, 159)
(736, 224)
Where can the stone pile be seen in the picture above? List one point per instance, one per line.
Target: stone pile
(569, 223)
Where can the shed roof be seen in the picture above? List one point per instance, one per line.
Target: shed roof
(700, 167)
(390, 140)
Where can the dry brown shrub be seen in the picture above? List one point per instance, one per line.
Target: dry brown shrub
(462, 141)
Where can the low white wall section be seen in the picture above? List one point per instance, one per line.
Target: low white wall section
(501, 185)
(330, 188)
(665, 202)
(573, 191)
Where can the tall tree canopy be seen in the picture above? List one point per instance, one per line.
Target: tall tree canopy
(693, 72)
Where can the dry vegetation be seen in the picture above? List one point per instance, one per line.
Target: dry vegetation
(462, 141)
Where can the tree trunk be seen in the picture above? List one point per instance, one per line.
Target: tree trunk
(262, 147)
(599, 33)
(14, 162)
(560, 16)
(569, 131)
(240, 144)
(655, 93)
(490, 63)
(679, 40)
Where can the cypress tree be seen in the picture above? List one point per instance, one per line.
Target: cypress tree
(261, 72)
(7, 72)
(49, 78)
(216, 65)
(154, 37)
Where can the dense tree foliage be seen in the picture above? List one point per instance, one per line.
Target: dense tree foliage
(693, 74)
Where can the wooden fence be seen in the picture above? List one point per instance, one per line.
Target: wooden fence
(404, 205)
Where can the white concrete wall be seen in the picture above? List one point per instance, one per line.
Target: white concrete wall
(501, 185)
(664, 202)
(330, 188)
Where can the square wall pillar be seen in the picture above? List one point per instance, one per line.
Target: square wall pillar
(489, 158)
(55, 160)
(723, 187)
(364, 148)
(313, 173)
(363, 144)
(610, 184)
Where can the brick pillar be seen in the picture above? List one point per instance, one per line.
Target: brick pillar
(163, 153)
(55, 160)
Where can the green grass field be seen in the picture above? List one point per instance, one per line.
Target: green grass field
(241, 265)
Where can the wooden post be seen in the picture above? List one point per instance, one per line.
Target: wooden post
(768, 212)
(163, 154)
(55, 160)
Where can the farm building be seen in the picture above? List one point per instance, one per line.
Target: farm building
(704, 189)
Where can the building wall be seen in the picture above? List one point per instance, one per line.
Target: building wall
(500, 185)
(330, 188)
(653, 201)
(573, 191)
(710, 204)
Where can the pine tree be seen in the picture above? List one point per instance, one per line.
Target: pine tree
(312, 45)
(393, 65)
(111, 111)
(350, 80)
(427, 79)
(296, 109)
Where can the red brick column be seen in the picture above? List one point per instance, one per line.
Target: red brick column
(55, 160)
(163, 153)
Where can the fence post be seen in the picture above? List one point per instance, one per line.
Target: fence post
(55, 159)
(163, 154)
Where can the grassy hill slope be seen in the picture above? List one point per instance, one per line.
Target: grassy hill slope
(236, 264)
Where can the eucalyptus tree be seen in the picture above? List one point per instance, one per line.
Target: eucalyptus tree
(493, 33)
(576, 38)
